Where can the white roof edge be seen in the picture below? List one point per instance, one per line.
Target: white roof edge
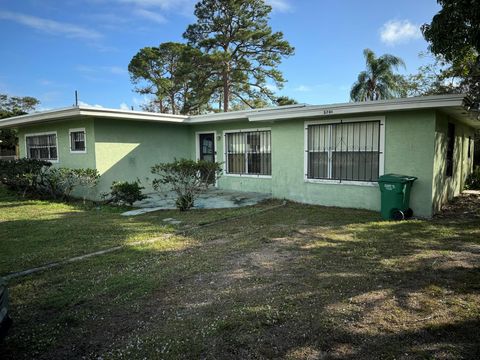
(239, 115)
(62, 113)
(424, 102)
(266, 114)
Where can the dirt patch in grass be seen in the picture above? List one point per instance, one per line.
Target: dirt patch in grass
(464, 206)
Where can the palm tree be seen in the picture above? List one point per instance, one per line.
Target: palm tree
(379, 81)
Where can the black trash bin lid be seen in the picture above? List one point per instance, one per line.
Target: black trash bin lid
(396, 178)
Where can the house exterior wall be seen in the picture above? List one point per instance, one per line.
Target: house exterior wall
(126, 150)
(446, 187)
(65, 157)
(409, 143)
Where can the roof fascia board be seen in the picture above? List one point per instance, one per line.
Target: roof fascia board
(40, 117)
(128, 115)
(356, 108)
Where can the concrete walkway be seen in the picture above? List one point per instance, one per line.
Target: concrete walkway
(212, 199)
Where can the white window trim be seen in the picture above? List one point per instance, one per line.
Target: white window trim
(70, 131)
(225, 132)
(40, 134)
(381, 165)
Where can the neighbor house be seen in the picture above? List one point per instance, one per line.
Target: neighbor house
(329, 155)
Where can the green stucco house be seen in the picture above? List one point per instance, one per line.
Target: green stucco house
(328, 155)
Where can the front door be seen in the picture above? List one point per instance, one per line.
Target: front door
(206, 152)
(207, 147)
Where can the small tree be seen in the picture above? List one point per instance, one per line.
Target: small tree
(187, 178)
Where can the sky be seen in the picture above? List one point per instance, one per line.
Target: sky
(51, 48)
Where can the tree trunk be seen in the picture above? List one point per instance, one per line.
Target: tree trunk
(226, 88)
(172, 100)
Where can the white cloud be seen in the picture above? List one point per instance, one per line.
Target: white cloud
(117, 70)
(150, 15)
(141, 101)
(98, 70)
(272, 87)
(83, 103)
(303, 88)
(163, 4)
(51, 26)
(184, 7)
(279, 5)
(124, 106)
(399, 31)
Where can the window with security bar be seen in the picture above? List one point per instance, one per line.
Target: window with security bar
(77, 140)
(345, 151)
(249, 152)
(42, 147)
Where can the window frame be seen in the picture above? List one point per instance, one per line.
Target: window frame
(27, 154)
(381, 160)
(225, 153)
(70, 131)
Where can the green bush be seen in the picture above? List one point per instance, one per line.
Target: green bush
(38, 177)
(58, 183)
(23, 175)
(187, 178)
(473, 180)
(123, 192)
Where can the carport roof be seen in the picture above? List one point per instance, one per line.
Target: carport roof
(457, 105)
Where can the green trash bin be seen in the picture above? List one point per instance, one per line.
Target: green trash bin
(395, 193)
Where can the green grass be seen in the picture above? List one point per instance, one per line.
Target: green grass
(36, 232)
(294, 282)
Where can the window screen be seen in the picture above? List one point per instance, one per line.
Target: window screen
(347, 151)
(42, 147)
(249, 152)
(77, 140)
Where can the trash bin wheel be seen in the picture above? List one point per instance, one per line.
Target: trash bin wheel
(398, 215)
(408, 213)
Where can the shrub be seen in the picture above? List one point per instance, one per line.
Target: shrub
(38, 177)
(187, 178)
(60, 182)
(123, 192)
(22, 175)
(473, 180)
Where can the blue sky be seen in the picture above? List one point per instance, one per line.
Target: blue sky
(51, 48)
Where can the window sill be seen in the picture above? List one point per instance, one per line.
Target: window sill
(337, 182)
(78, 152)
(249, 176)
(50, 161)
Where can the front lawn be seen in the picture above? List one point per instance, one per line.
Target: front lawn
(295, 282)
